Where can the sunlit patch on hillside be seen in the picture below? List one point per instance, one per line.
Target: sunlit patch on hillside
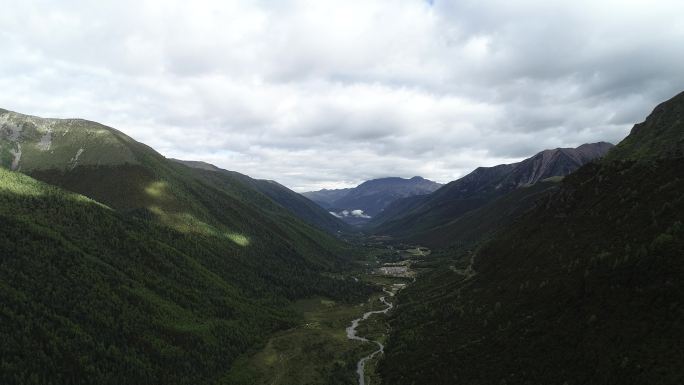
(18, 184)
(238, 239)
(157, 189)
(15, 183)
(187, 223)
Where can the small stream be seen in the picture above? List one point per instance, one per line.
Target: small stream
(351, 334)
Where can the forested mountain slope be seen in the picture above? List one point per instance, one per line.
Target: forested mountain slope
(467, 230)
(110, 167)
(424, 219)
(585, 288)
(162, 275)
(298, 205)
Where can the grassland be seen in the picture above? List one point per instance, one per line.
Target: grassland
(316, 351)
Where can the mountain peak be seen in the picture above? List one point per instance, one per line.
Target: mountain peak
(395, 180)
(556, 162)
(196, 164)
(371, 197)
(32, 143)
(661, 135)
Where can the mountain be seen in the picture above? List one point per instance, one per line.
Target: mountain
(119, 265)
(660, 135)
(326, 198)
(357, 205)
(467, 230)
(427, 215)
(585, 287)
(298, 205)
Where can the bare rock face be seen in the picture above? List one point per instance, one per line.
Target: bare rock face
(30, 143)
(556, 162)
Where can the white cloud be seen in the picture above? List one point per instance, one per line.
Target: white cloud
(330, 93)
(359, 214)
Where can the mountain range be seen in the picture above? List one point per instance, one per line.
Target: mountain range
(301, 207)
(427, 218)
(583, 287)
(359, 204)
(118, 265)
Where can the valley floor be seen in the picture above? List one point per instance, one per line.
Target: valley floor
(318, 351)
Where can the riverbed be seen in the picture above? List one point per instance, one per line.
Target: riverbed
(351, 334)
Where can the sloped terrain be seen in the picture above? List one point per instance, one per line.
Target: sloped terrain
(359, 204)
(326, 198)
(374, 195)
(658, 136)
(148, 185)
(428, 215)
(585, 288)
(160, 275)
(32, 143)
(298, 205)
(467, 230)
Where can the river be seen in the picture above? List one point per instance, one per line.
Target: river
(351, 334)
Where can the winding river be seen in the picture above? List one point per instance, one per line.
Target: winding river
(351, 334)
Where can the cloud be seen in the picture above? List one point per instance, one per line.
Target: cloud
(358, 213)
(330, 93)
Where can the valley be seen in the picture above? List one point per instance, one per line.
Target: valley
(165, 271)
(414, 192)
(335, 343)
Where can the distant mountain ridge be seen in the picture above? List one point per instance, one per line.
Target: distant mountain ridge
(326, 197)
(415, 215)
(303, 208)
(359, 204)
(556, 162)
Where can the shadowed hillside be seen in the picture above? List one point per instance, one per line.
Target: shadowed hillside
(584, 288)
(427, 219)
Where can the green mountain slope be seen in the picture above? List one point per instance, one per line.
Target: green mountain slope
(297, 204)
(29, 143)
(659, 135)
(585, 288)
(162, 275)
(146, 184)
(467, 230)
(88, 293)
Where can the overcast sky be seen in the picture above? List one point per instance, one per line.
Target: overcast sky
(330, 93)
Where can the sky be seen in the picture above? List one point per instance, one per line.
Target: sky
(322, 93)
